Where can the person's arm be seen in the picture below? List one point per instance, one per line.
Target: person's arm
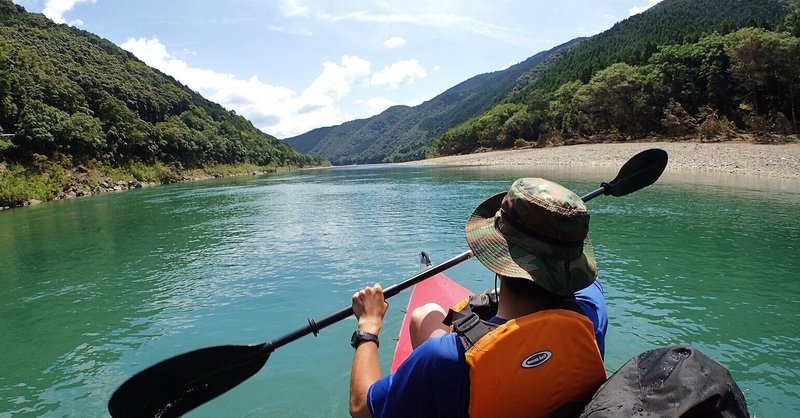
(593, 303)
(369, 307)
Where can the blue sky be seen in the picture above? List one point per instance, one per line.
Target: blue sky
(290, 66)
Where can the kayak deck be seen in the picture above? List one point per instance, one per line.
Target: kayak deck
(438, 289)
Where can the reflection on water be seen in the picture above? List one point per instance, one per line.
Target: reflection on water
(93, 290)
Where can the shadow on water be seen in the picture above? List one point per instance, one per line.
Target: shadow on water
(93, 290)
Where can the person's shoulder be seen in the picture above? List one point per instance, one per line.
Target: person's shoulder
(591, 293)
(445, 348)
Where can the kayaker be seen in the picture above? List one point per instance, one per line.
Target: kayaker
(538, 356)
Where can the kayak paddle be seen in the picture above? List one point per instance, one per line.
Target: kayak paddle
(181, 383)
(642, 170)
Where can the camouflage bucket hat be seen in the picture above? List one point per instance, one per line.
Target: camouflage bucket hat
(538, 231)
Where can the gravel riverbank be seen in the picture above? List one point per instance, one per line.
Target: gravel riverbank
(744, 158)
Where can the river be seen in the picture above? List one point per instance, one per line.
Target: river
(93, 290)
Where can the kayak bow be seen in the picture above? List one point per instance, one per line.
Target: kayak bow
(438, 289)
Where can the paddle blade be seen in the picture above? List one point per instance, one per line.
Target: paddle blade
(182, 383)
(642, 170)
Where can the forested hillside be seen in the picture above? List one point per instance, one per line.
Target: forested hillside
(680, 68)
(634, 40)
(715, 88)
(69, 98)
(686, 68)
(403, 133)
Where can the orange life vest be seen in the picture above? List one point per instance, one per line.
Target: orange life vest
(532, 365)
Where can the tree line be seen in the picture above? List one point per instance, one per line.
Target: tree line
(710, 86)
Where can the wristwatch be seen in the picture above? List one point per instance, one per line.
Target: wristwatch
(361, 336)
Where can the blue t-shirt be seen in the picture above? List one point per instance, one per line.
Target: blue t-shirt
(593, 304)
(434, 380)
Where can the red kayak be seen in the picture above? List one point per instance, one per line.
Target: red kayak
(437, 289)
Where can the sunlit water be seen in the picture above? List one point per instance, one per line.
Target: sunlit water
(93, 290)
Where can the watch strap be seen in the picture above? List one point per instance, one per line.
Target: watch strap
(362, 337)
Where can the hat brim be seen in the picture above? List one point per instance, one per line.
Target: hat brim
(509, 259)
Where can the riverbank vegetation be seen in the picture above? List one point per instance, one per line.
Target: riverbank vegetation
(47, 180)
(714, 87)
(76, 109)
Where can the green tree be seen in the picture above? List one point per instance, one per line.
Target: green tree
(617, 98)
(83, 136)
(127, 136)
(40, 129)
(565, 113)
(5, 82)
(457, 140)
(786, 66)
(765, 65)
(520, 125)
(178, 141)
(791, 77)
(196, 118)
(749, 57)
(791, 22)
(695, 74)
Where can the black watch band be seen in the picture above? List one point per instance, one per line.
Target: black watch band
(361, 336)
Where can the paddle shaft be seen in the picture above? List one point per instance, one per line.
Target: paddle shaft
(589, 196)
(315, 325)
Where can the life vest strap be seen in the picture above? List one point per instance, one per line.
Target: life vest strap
(484, 305)
(470, 328)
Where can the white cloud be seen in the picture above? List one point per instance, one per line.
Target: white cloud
(419, 101)
(638, 9)
(394, 42)
(294, 8)
(400, 72)
(277, 110)
(446, 21)
(335, 80)
(377, 105)
(55, 9)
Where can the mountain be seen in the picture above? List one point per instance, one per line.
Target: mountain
(71, 96)
(402, 133)
(708, 69)
(406, 133)
(635, 39)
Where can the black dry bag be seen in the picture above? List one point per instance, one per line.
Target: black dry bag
(676, 381)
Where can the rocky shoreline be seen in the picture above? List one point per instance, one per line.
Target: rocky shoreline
(741, 158)
(83, 188)
(86, 182)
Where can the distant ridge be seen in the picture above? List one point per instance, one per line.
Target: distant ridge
(402, 133)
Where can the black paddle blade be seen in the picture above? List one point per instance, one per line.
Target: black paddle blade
(182, 383)
(642, 170)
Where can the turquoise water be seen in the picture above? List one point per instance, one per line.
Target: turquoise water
(93, 290)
